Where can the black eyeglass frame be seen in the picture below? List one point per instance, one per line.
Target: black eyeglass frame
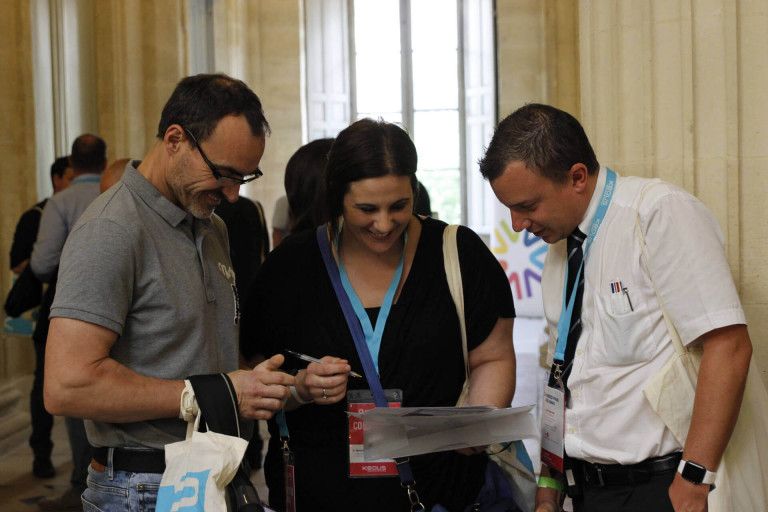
(215, 171)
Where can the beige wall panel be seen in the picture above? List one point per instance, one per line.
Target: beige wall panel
(18, 192)
(562, 50)
(521, 58)
(716, 104)
(278, 84)
(538, 54)
(671, 123)
(757, 318)
(140, 56)
(719, 24)
(230, 23)
(754, 273)
(253, 74)
(633, 70)
(163, 61)
(598, 66)
(617, 70)
(18, 185)
(675, 89)
(121, 85)
(753, 137)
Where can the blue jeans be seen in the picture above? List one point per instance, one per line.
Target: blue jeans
(120, 491)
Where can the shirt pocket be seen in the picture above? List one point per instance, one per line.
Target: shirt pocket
(626, 328)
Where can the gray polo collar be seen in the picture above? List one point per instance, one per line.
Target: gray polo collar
(139, 185)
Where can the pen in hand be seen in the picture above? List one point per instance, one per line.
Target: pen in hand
(305, 357)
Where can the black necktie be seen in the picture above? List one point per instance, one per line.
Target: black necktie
(575, 258)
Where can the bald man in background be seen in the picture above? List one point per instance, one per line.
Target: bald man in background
(87, 160)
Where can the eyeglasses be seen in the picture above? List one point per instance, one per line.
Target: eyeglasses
(220, 176)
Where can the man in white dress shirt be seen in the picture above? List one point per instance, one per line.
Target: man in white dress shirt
(616, 453)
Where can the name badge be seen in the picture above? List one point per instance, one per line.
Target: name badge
(552, 432)
(360, 400)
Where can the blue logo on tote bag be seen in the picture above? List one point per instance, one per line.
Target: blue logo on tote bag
(190, 498)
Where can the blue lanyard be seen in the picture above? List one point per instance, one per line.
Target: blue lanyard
(372, 336)
(564, 324)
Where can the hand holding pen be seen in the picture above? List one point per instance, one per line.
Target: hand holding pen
(324, 383)
(305, 357)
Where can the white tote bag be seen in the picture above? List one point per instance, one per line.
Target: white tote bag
(741, 484)
(198, 470)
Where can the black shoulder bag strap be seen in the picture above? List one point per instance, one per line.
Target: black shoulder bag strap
(217, 400)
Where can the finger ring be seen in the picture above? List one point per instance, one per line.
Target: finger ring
(325, 397)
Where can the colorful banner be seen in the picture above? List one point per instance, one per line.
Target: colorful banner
(522, 257)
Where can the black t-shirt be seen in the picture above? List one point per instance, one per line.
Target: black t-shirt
(23, 242)
(248, 238)
(294, 307)
(26, 233)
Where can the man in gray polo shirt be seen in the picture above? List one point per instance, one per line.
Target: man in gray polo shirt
(147, 294)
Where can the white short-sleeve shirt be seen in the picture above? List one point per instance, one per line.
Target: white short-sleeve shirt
(621, 345)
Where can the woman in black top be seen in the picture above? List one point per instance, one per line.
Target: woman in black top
(371, 183)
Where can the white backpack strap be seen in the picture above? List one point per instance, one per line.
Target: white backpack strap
(453, 274)
(676, 341)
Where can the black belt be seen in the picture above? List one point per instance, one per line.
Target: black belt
(599, 475)
(132, 461)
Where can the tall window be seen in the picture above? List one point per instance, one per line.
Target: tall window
(426, 64)
(406, 71)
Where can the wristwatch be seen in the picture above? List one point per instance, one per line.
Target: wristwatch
(696, 473)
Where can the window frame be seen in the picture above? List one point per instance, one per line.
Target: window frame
(475, 196)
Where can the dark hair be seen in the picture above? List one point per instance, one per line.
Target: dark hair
(199, 102)
(366, 149)
(304, 186)
(546, 139)
(59, 167)
(89, 153)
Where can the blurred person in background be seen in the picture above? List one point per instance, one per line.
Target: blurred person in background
(21, 250)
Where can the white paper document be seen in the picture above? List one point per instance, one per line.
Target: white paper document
(403, 431)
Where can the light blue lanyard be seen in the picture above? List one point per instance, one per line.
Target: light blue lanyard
(564, 324)
(372, 336)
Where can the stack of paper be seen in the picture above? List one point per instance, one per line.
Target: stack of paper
(403, 431)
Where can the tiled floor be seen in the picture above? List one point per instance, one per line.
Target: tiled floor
(20, 491)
